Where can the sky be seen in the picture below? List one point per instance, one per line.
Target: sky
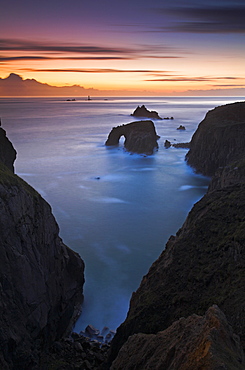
(158, 47)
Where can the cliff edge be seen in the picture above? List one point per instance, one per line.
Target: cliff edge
(41, 279)
(219, 139)
(204, 264)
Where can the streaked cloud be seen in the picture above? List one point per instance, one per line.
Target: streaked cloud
(206, 19)
(190, 79)
(93, 70)
(9, 59)
(56, 50)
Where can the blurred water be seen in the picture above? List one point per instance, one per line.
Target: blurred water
(115, 209)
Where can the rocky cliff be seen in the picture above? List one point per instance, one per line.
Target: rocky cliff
(219, 139)
(140, 137)
(204, 264)
(41, 279)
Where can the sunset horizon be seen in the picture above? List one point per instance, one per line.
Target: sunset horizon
(127, 48)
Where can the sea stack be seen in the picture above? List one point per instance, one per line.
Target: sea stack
(140, 137)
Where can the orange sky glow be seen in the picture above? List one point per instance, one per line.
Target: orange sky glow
(131, 48)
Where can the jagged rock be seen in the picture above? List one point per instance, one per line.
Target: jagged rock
(181, 128)
(140, 137)
(7, 151)
(41, 279)
(144, 112)
(167, 144)
(196, 343)
(219, 139)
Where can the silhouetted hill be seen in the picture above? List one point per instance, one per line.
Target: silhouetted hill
(15, 85)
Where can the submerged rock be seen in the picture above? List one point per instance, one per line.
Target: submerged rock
(140, 137)
(144, 112)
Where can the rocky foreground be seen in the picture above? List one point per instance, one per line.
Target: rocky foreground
(200, 276)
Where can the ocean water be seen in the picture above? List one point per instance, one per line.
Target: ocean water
(117, 210)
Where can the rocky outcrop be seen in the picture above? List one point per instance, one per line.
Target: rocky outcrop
(219, 139)
(196, 343)
(7, 151)
(140, 137)
(144, 112)
(41, 279)
(204, 264)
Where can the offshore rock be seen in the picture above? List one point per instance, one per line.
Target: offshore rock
(41, 279)
(140, 137)
(196, 343)
(219, 139)
(144, 112)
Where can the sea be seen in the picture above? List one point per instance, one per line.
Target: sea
(116, 209)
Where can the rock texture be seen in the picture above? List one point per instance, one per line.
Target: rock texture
(140, 137)
(196, 343)
(144, 112)
(204, 264)
(41, 279)
(7, 151)
(219, 139)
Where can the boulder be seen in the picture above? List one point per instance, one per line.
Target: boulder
(140, 137)
(144, 112)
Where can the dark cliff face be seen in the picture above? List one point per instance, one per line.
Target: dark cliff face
(204, 264)
(41, 279)
(7, 151)
(219, 139)
(140, 137)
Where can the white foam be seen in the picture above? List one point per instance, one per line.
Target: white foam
(186, 187)
(108, 200)
(124, 248)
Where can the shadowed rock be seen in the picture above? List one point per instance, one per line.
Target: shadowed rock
(219, 139)
(140, 137)
(196, 343)
(144, 112)
(7, 151)
(41, 279)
